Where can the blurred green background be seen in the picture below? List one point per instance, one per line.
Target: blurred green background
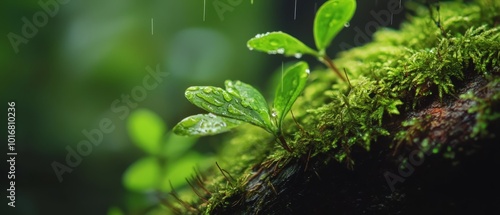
(90, 54)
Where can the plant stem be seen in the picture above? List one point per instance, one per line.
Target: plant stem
(283, 143)
(328, 62)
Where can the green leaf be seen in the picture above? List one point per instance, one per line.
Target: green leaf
(292, 84)
(251, 98)
(143, 175)
(205, 124)
(279, 43)
(146, 129)
(176, 145)
(177, 171)
(330, 19)
(220, 102)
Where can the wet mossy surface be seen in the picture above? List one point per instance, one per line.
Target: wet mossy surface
(412, 132)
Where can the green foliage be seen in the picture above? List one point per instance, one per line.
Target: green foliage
(292, 85)
(280, 43)
(146, 130)
(143, 174)
(164, 153)
(205, 124)
(426, 65)
(330, 19)
(414, 128)
(354, 116)
(240, 102)
(225, 104)
(486, 109)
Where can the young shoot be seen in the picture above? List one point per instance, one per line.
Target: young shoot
(330, 19)
(239, 103)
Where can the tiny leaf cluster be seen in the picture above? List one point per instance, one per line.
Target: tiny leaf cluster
(240, 102)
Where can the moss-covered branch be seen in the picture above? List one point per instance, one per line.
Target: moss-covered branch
(421, 92)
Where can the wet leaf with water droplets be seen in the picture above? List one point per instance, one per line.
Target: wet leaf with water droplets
(251, 98)
(293, 83)
(229, 103)
(279, 43)
(330, 19)
(205, 124)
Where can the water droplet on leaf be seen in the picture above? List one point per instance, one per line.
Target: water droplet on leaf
(273, 42)
(189, 95)
(226, 96)
(234, 110)
(208, 107)
(207, 90)
(210, 100)
(274, 114)
(190, 122)
(347, 24)
(193, 88)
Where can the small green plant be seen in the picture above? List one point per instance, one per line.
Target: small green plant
(240, 102)
(167, 159)
(330, 19)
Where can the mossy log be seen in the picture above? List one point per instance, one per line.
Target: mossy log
(432, 184)
(413, 130)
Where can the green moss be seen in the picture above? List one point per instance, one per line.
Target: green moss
(485, 109)
(413, 130)
(389, 75)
